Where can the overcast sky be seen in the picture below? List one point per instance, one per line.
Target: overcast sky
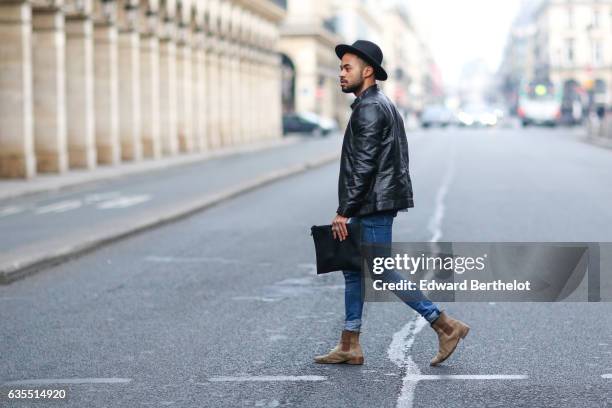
(462, 30)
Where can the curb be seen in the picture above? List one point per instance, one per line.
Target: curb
(21, 268)
(85, 177)
(600, 141)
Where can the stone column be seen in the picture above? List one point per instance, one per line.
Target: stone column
(224, 90)
(259, 78)
(276, 85)
(265, 89)
(213, 72)
(276, 124)
(129, 82)
(235, 103)
(48, 54)
(269, 92)
(224, 93)
(214, 132)
(252, 92)
(80, 119)
(17, 157)
(245, 124)
(234, 33)
(199, 92)
(149, 85)
(243, 55)
(106, 84)
(168, 95)
(184, 90)
(279, 98)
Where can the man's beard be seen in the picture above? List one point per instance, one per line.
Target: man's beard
(352, 88)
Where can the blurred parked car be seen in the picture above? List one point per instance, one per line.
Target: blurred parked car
(308, 123)
(436, 115)
(540, 105)
(539, 112)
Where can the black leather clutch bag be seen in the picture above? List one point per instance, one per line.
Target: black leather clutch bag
(333, 254)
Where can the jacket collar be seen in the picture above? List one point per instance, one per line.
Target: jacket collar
(368, 91)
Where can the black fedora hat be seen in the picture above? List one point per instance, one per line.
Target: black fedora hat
(367, 50)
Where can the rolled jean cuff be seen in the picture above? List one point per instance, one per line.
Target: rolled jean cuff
(433, 316)
(352, 325)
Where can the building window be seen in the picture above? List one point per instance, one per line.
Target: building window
(597, 53)
(569, 48)
(596, 19)
(331, 24)
(281, 3)
(570, 17)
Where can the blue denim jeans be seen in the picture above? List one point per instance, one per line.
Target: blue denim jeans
(377, 228)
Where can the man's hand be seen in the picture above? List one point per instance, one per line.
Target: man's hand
(339, 230)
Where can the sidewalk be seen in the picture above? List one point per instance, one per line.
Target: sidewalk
(599, 132)
(53, 219)
(11, 188)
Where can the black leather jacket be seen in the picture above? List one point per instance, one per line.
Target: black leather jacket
(374, 163)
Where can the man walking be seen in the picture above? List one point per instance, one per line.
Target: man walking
(374, 184)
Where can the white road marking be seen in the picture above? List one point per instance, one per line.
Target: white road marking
(267, 404)
(399, 353)
(259, 298)
(94, 198)
(607, 376)
(469, 377)
(45, 381)
(277, 337)
(123, 202)
(59, 207)
(269, 378)
(435, 222)
(198, 259)
(6, 211)
(399, 349)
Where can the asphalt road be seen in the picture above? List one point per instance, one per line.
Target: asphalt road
(223, 309)
(47, 221)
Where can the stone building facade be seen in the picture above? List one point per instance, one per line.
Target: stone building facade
(307, 42)
(565, 42)
(91, 82)
(573, 46)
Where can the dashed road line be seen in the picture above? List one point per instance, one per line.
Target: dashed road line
(399, 353)
(45, 381)
(399, 349)
(97, 197)
(6, 211)
(269, 378)
(435, 222)
(201, 259)
(59, 207)
(421, 377)
(123, 202)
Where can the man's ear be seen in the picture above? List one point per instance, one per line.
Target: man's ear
(368, 71)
